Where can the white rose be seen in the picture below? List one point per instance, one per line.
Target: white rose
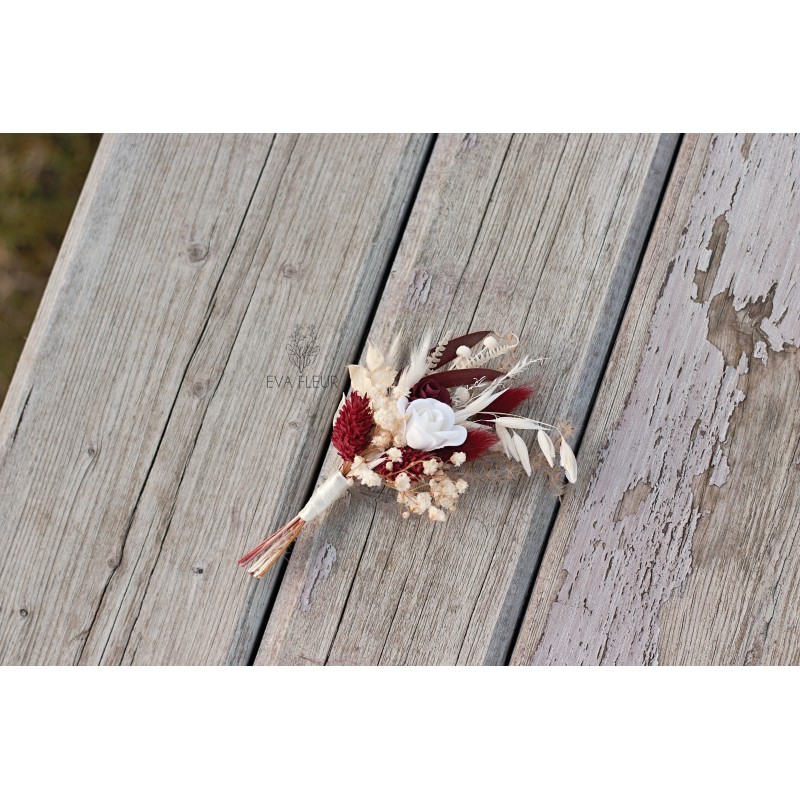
(430, 424)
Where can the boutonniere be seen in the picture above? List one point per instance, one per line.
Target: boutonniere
(417, 429)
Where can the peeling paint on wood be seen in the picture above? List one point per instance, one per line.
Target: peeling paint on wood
(631, 501)
(418, 288)
(700, 403)
(323, 563)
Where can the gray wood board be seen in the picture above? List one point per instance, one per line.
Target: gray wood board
(539, 235)
(680, 544)
(143, 445)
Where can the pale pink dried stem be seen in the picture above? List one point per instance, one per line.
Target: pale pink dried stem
(264, 555)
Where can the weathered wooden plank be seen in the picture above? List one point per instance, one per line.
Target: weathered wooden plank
(144, 445)
(536, 234)
(680, 548)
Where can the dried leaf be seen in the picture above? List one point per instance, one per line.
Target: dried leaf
(546, 443)
(517, 422)
(522, 452)
(568, 461)
(374, 357)
(359, 379)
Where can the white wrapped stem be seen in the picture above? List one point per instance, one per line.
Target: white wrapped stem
(324, 496)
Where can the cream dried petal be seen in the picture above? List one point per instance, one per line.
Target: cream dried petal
(546, 443)
(567, 458)
(431, 466)
(383, 378)
(359, 379)
(505, 440)
(368, 477)
(423, 500)
(394, 454)
(522, 452)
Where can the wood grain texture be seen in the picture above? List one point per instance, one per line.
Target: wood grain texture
(681, 546)
(535, 234)
(143, 447)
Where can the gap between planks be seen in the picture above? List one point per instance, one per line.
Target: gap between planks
(163, 243)
(280, 568)
(396, 591)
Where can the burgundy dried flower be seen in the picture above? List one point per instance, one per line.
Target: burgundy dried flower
(411, 463)
(475, 445)
(352, 431)
(428, 388)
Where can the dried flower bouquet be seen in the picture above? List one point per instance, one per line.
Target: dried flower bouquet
(413, 429)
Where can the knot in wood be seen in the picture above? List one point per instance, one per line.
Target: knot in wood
(197, 252)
